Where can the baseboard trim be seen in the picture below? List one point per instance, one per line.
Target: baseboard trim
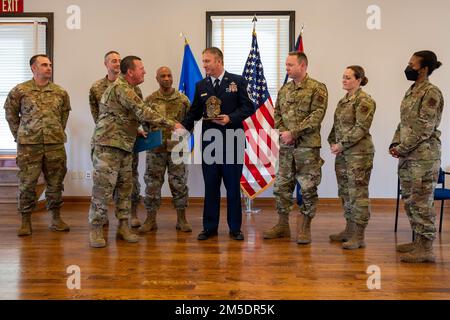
(256, 202)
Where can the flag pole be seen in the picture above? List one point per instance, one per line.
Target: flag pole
(183, 35)
(249, 209)
(249, 206)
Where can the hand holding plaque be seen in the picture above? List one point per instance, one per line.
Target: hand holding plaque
(213, 108)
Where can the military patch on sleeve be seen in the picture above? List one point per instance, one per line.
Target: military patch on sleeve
(321, 99)
(131, 95)
(137, 100)
(432, 102)
(364, 109)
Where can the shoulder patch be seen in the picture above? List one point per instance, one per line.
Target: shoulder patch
(364, 109)
(432, 102)
(321, 99)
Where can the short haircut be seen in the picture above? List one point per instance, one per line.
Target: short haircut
(301, 56)
(161, 68)
(428, 59)
(34, 58)
(214, 51)
(111, 52)
(128, 63)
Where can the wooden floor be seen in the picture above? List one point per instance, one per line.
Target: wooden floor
(172, 265)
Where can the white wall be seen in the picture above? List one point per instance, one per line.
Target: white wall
(335, 36)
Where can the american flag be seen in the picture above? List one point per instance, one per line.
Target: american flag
(262, 141)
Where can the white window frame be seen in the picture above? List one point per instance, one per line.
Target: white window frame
(37, 33)
(275, 34)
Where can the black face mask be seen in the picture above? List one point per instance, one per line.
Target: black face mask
(411, 74)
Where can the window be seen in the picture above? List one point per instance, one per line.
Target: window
(232, 33)
(21, 37)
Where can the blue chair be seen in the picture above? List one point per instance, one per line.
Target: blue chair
(440, 193)
(299, 195)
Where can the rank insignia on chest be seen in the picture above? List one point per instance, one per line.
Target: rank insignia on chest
(232, 87)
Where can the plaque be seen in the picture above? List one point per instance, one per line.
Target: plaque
(213, 108)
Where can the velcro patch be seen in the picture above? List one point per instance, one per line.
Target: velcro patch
(432, 102)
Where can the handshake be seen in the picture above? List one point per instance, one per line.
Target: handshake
(179, 129)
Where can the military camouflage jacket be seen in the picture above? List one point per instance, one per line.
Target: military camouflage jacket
(121, 112)
(417, 136)
(352, 120)
(300, 109)
(174, 107)
(95, 95)
(37, 115)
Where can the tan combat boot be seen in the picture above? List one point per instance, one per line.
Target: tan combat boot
(304, 233)
(280, 230)
(96, 239)
(422, 252)
(134, 220)
(57, 224)
(124, 232)
(406, 247)
(346, 234)
(182, 223)
(25, 228)
(149, 223)
(357, 239)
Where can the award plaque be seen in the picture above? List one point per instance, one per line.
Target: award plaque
(213, 108)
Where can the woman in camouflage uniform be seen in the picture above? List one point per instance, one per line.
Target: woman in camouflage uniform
(417, 145)
(351, 142)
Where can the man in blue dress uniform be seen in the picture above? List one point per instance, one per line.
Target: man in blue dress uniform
(223, 140)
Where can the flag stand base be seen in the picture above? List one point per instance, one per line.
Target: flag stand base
(249, 207)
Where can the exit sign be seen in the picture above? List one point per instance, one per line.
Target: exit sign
(11, 6)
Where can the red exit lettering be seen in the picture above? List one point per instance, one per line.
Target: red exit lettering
(11, 6)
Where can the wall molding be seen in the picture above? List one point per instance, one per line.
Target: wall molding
(257, 202)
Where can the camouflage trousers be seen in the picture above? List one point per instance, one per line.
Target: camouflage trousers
(353, 176)
(32, 159)
(136, 191)
(418, 180)
(112, 171)
(305, 166)
(156, 164)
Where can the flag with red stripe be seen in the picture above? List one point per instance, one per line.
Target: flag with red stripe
(262, 146)
(298, 47)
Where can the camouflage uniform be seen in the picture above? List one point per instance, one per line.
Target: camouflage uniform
(121, 111)
(417, 141)
(37, 118)
(95, 96)
(300, 109)
(174, 107)
(352, 120)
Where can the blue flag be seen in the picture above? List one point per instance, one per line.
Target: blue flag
(190, 75)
